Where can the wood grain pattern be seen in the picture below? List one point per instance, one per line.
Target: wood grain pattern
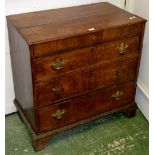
(22, 76)
(64, 23)
(67, 68)
(87, 39)
(84, 57)
(85, 80)
(81, 107)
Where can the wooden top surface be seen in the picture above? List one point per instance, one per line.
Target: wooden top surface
(43, 26)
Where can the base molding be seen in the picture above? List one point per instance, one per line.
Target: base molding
(40, 140)
(10, 109)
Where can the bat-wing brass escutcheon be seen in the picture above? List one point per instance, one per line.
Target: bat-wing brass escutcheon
(117, 95)
(122, 48)
(59, 114)
(57, 64)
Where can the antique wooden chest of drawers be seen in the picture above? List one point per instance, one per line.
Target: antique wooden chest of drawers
(73, 65)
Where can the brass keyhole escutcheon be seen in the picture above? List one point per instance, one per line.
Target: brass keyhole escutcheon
(57, 90)
(120, 72)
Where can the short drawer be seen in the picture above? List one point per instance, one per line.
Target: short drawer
(85, 106)
(74, 83)
(49, 66)
(122, 32)
(68, 43)
(87, 39)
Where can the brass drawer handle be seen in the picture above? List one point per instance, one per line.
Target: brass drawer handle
(59, 114)
(122, 48)
(117, 95)
(57, 64)
(57, 90)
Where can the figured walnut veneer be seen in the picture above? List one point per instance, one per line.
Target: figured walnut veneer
(73, 65)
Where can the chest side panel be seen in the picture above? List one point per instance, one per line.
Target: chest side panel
(22, 77)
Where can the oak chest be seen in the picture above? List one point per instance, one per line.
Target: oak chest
(73, 65)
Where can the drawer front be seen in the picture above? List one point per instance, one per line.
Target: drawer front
(53, 65)
(120, 32)
(87, 39)
(93, 77)
(85, 106)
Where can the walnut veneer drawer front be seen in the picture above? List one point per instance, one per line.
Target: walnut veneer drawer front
(74, 65)
(88, 39)
(85, 106)
(84, 80)
(49, 66)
